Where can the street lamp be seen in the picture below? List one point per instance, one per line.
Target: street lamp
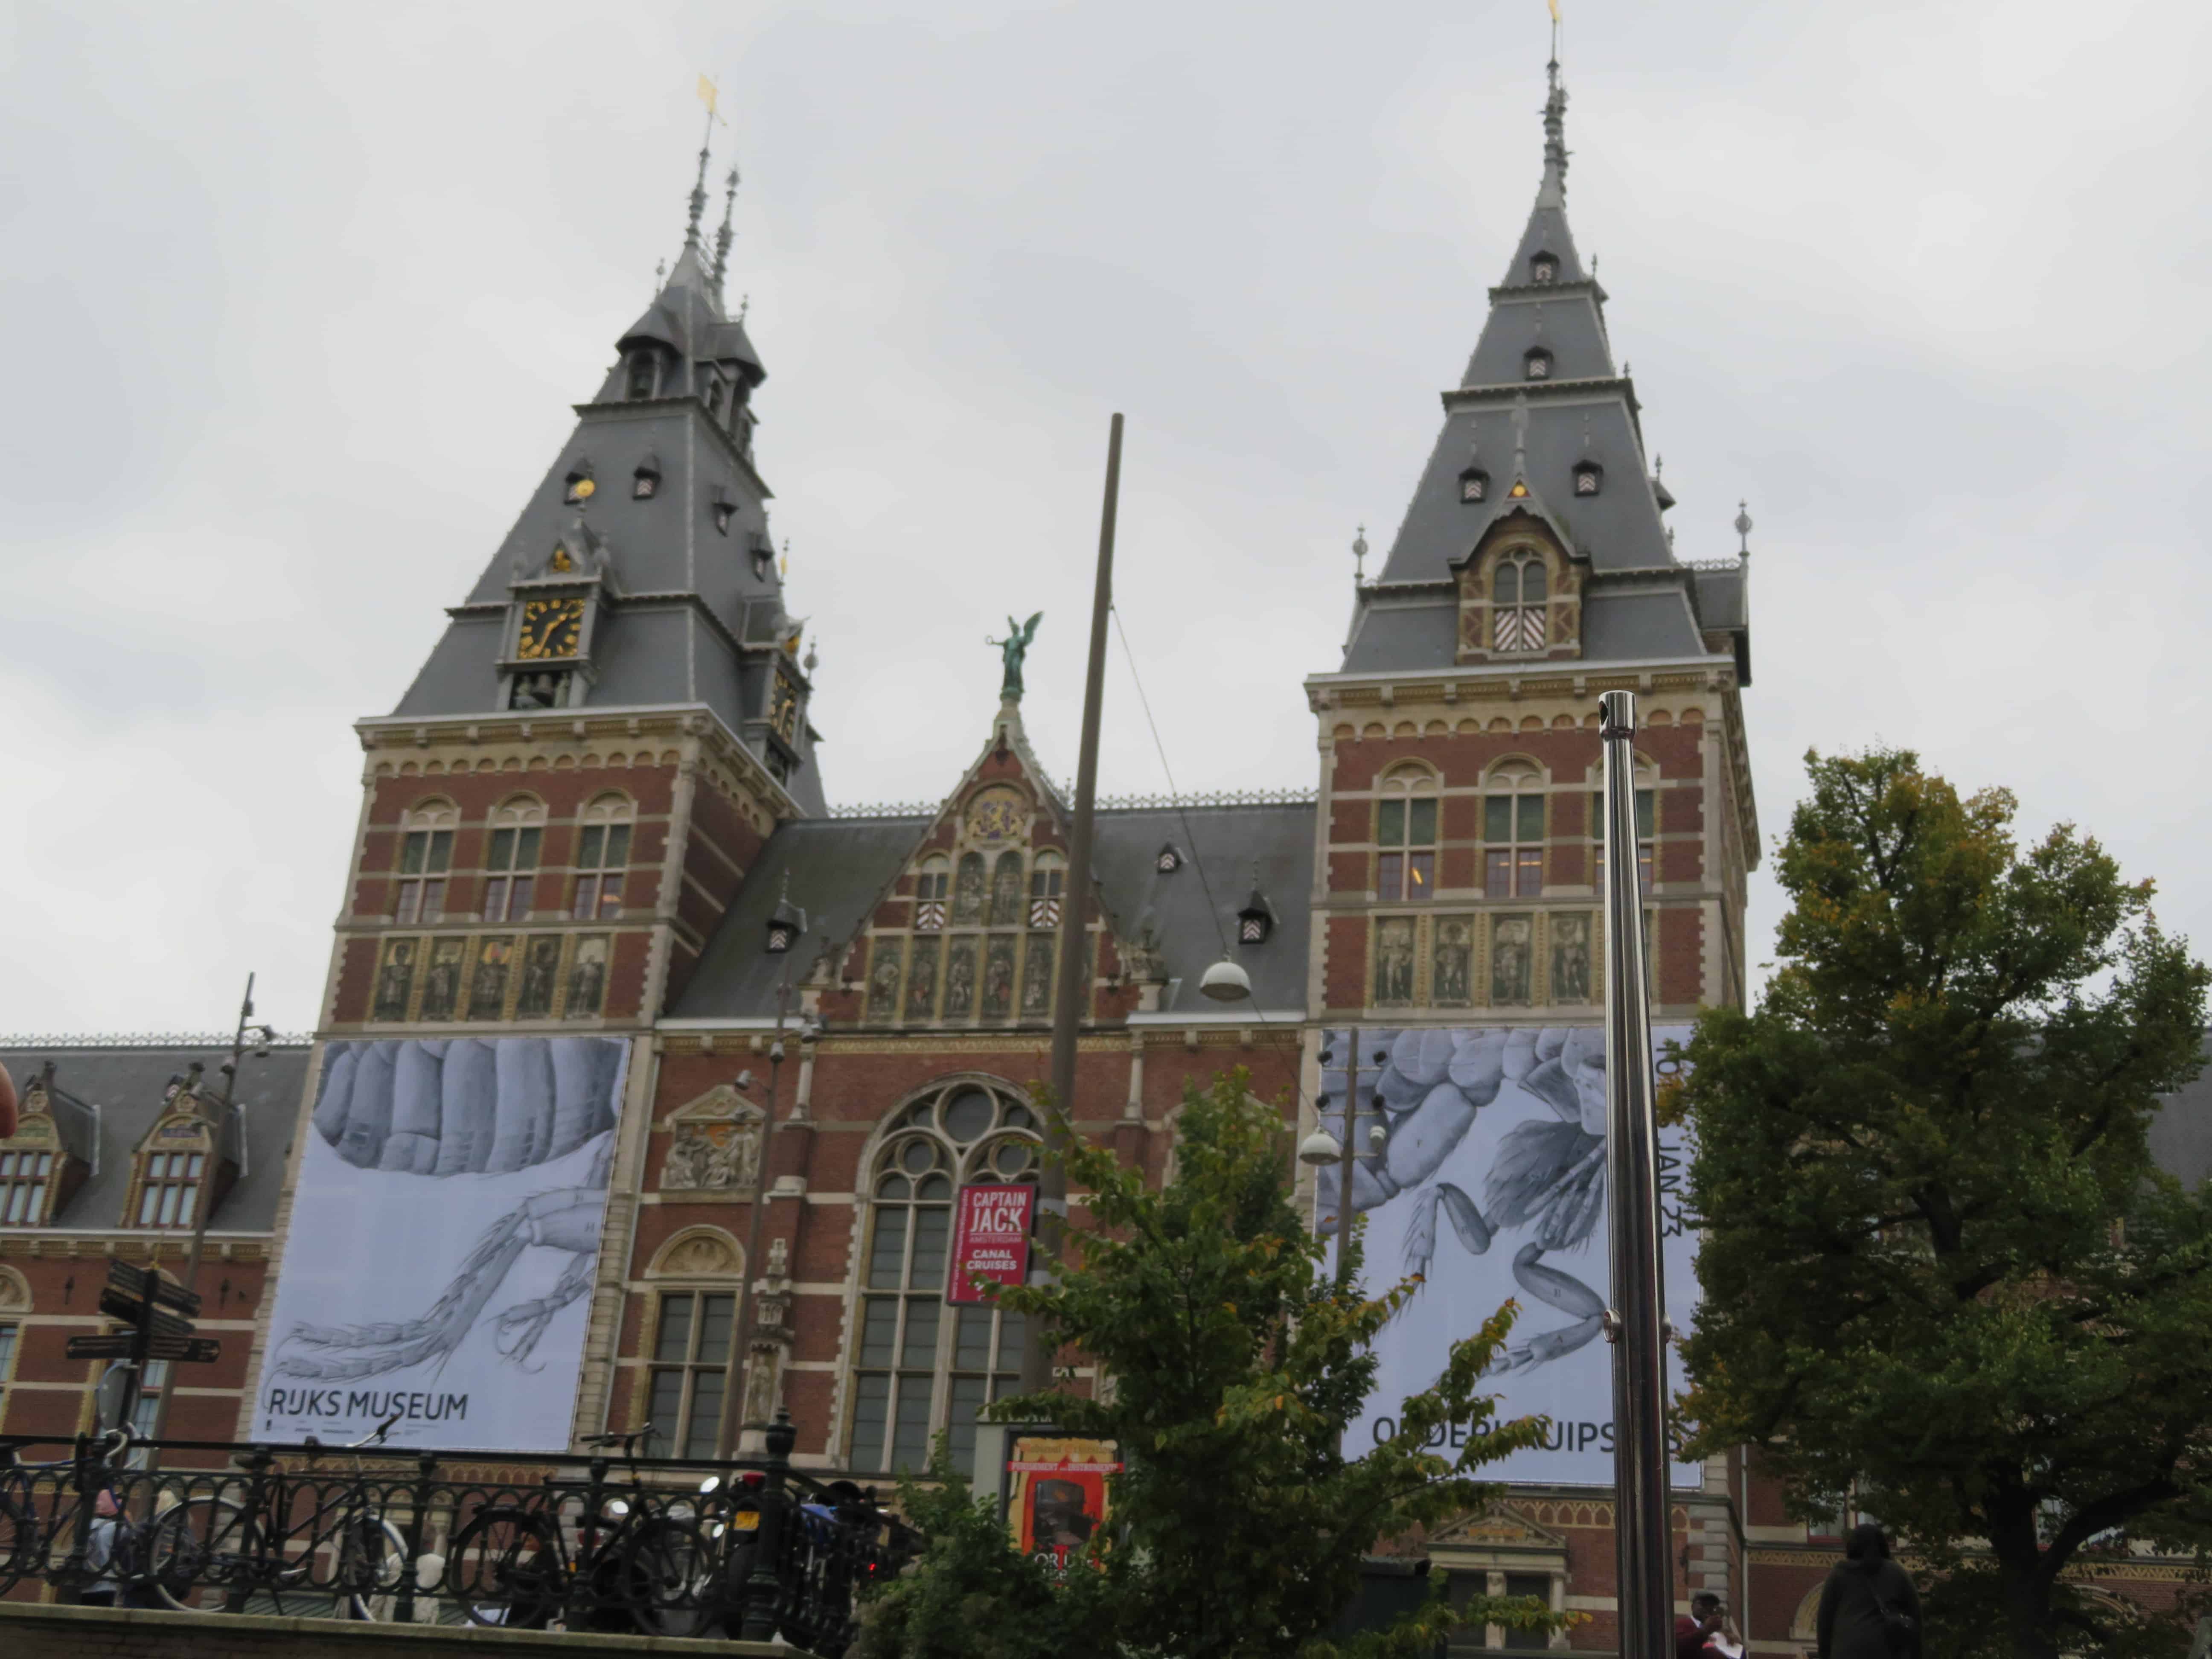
(1226, 981)
(257, 1039)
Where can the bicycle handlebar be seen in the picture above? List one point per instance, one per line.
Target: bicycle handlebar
(618, 1437)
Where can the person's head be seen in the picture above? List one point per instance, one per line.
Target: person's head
(1866, 1544)
(1704, 1604)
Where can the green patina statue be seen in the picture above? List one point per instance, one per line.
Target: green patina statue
(1012, 649)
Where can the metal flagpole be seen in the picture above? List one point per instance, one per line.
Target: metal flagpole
(1074, 991)
(1636, 1323)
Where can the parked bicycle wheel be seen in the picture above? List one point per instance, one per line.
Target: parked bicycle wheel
(196, 1558)
(504, 1568)
(19, 1533)
(372, 1562)
(668, 1578)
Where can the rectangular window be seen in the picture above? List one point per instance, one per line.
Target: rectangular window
(1513, 851)
(425, 855)
(24, 1176)
(691, 1355)
(1390, 876)
(169, 1188)
(1535, 1585)
(602, 855)
(7, 1365)
(512, 873)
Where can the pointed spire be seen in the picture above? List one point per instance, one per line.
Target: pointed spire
(699, 188)
(1554, 190)
(1359, 557)
(723, 237)
(1743, 527)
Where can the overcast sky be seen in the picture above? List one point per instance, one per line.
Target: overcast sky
(295, 301)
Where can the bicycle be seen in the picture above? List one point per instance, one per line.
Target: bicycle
(213, 1553)
(26, 1541)
(511, 1564)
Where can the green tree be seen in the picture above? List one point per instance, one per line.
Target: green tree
(1236, 1365)
(1940, 1267)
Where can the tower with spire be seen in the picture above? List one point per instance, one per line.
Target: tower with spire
(1533, 569)
(614, 720)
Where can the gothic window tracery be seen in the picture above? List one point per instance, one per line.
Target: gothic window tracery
(923, 1366)
(968, 892)
(931, 885)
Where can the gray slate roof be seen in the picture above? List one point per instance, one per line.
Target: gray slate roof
(837, 869)
(126, 1084)
(1539, 431)
(683, 589)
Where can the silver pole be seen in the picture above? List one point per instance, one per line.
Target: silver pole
(1637, 1321)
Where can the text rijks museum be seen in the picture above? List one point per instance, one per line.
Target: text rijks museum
(599, 909)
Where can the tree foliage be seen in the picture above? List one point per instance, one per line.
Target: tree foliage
(1940, 1267)
(1236, 1365)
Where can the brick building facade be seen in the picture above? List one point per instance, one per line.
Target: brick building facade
(598, 810)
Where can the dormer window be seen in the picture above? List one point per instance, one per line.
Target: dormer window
(645, 483)
(644, 372)
(1517, 593)
(1537, 365)
(1544, 268)
(578, 487)
(1168, 860)
(1588, 475)
(725, 510)
(710, 391)
(1474, 485)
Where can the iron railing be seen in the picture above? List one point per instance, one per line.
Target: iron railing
(748, 1549)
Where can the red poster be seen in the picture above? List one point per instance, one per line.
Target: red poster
(990, 1238)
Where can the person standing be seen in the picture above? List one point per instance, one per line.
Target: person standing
(1868, 1608)
(1696, 1631)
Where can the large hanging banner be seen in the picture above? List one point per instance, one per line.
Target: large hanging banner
(1491, 1184)
(442, 1241)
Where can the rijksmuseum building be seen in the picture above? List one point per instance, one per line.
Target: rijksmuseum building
(599, 810)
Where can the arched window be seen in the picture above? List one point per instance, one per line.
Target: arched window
(1513, 833)
(919, 1371)
(1537, 365)
(931, 885)
(1047, 882)
(1520, 618)
(511, 860)
(694, 1340)
(1544, 267)
(1006, 891)
(1406, 835)
(602, 855)
(426, 854)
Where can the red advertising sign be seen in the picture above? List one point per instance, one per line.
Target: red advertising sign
(990, 1238)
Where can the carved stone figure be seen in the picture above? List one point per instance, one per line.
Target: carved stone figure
(921, 980)
(442, 988)
(998, 978)
(1512, 958)
(395, 979)
(779, 1258)
(883, 978)
(968, 892)
(736, 1161)
(685, 1166)
(1006, 891)
(1571, 958)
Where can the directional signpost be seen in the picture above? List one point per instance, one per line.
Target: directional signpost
(142, 1299)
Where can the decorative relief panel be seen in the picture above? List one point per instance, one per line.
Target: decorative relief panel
(715, 1144)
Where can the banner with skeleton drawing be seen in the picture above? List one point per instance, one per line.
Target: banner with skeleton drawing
(442, 1241)
(1489, 1182)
